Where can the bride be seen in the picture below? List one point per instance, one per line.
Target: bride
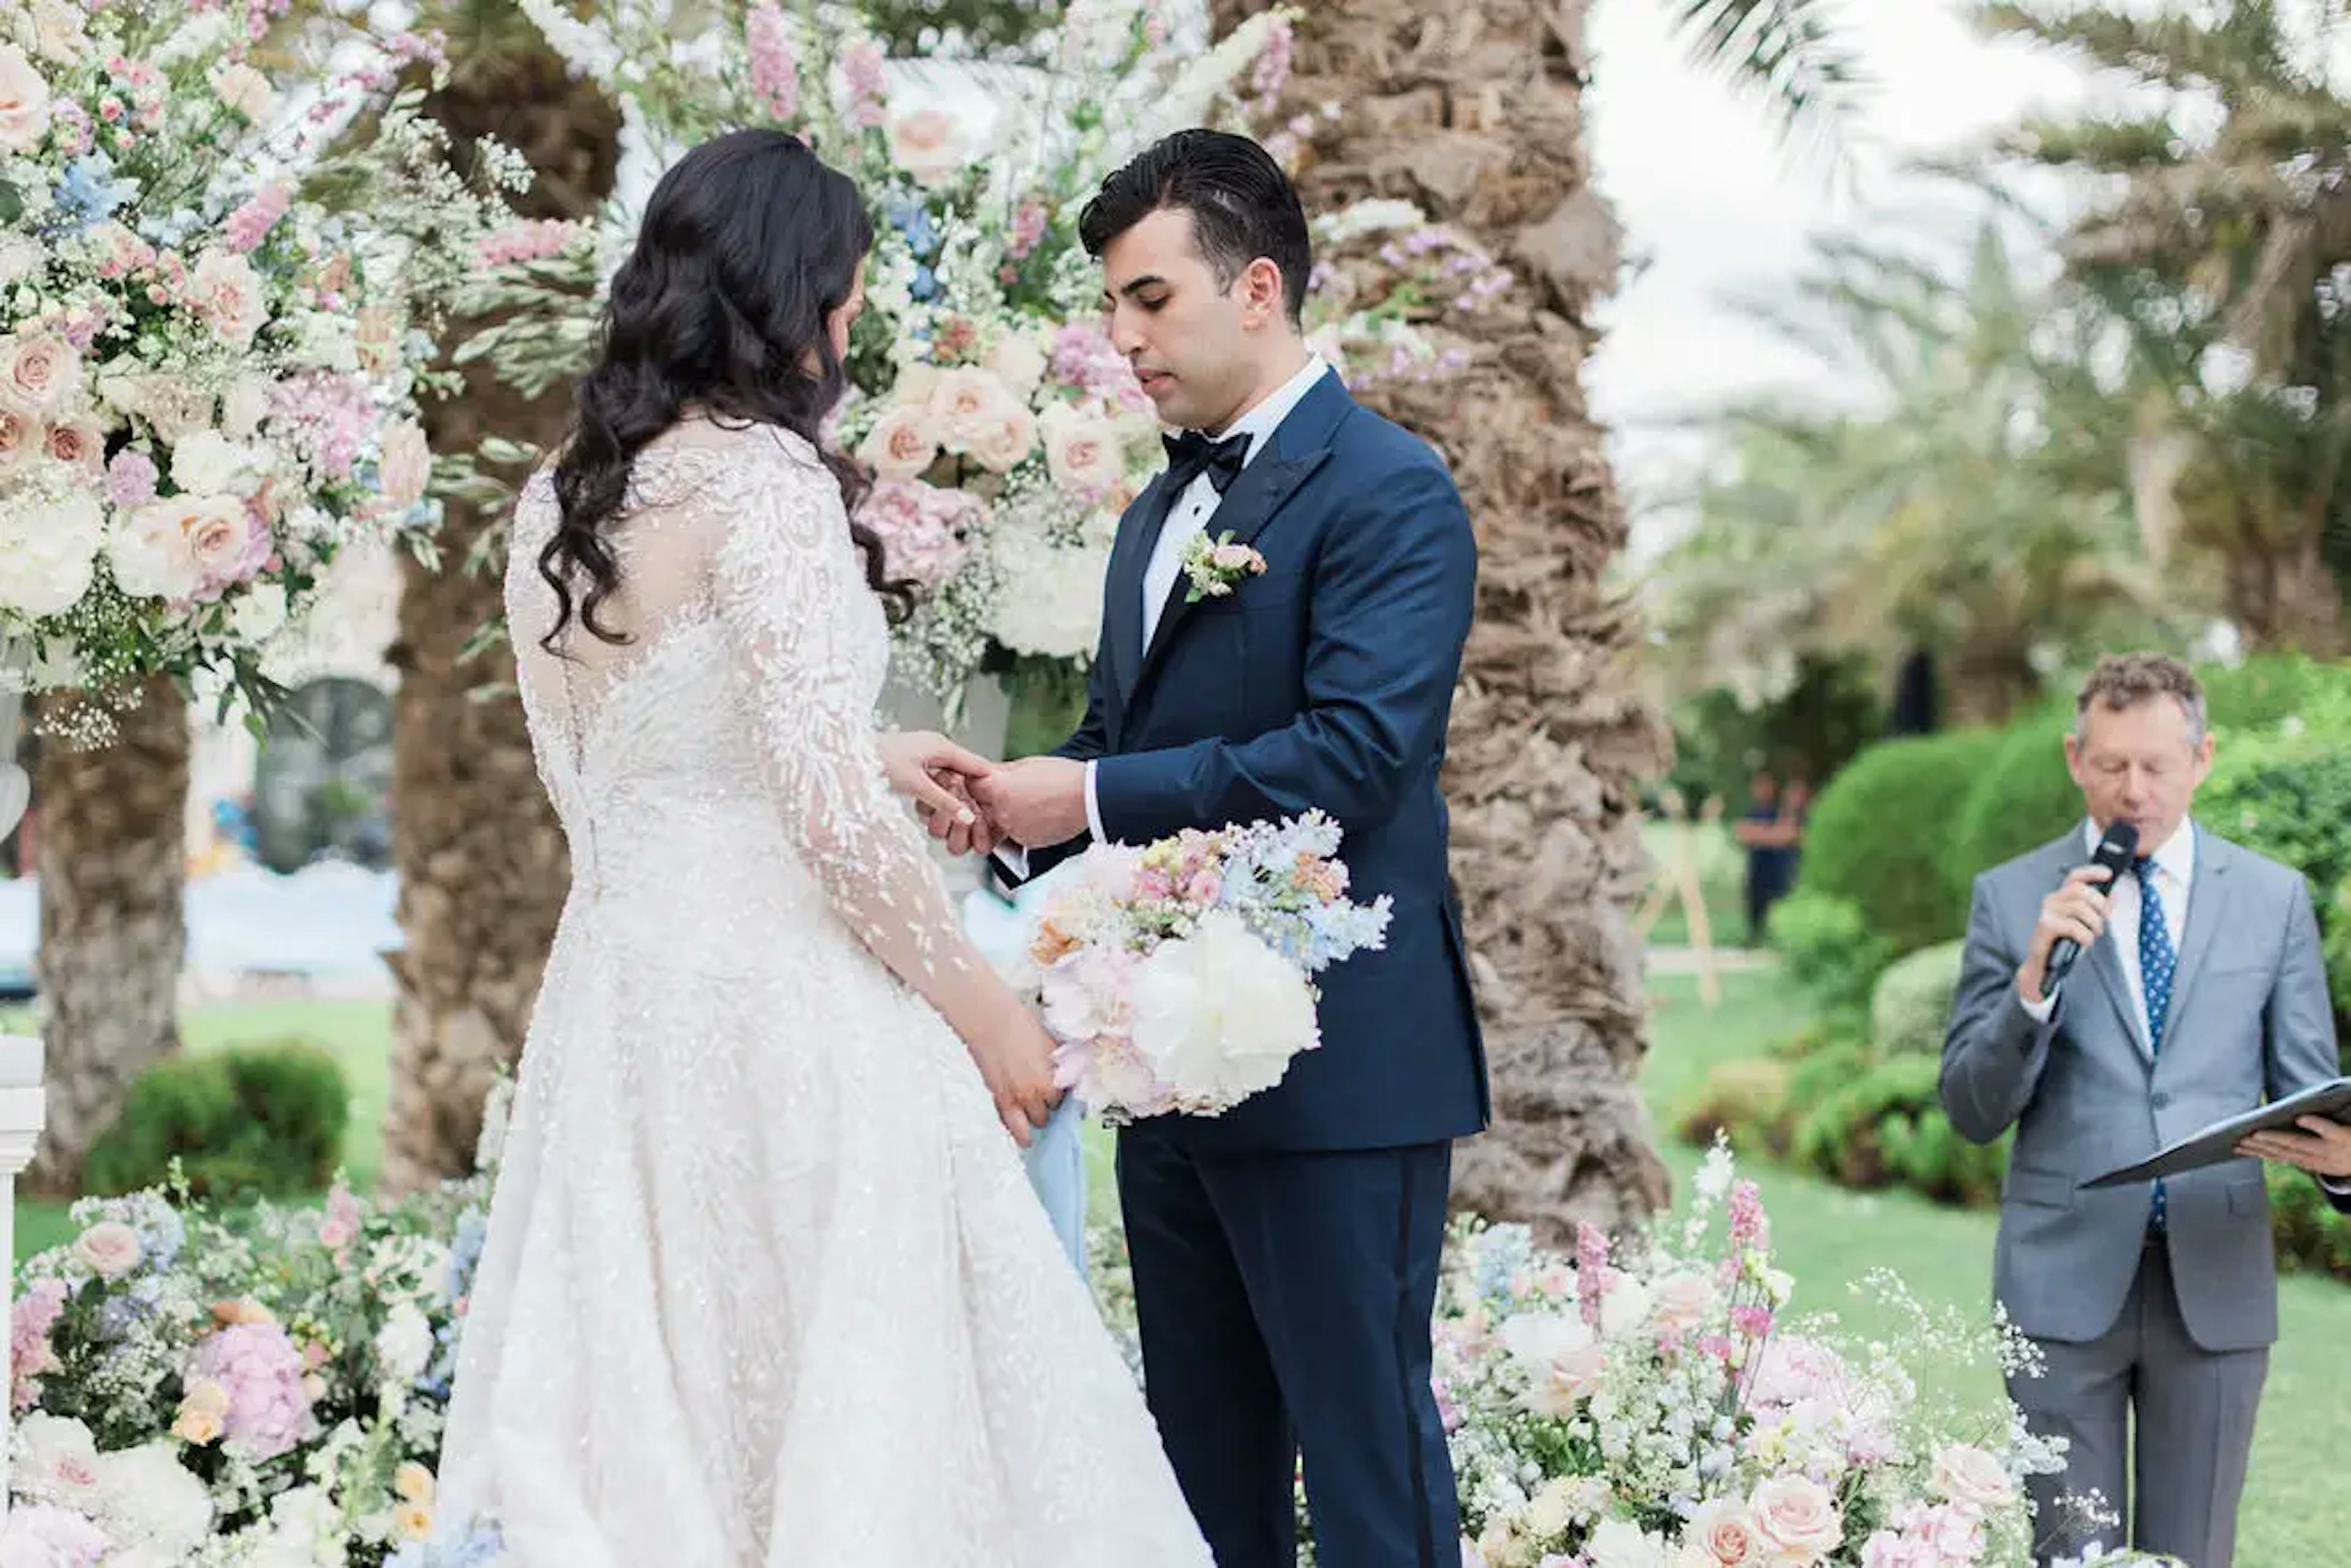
(765, 1283)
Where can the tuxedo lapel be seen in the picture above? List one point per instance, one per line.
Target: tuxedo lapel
(1130, 557)
(1244, 512)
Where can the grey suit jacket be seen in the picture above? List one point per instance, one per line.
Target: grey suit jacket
(2249, 1021)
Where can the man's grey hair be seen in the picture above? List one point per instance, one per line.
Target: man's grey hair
(2126, 680)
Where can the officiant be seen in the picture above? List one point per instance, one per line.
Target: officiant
(2198, 994)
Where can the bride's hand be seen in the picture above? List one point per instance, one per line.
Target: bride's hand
(1016, 1062)
(930, 770)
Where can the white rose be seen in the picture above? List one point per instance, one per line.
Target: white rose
(259, 613)
(928, 145)
(1684, 1300)
(245, 405)
(48, 544)
(173, 407)
(58, 31)
(181, 546)
(1724, 1532)
(1797, 1519)
(1563, 1362)
(208, 461)
(901, 444)
(24, 102)
(155, 1499)
(1005, 441)
(1624, 1309)
(1972, 1479)
(245, 90)
(1550, 1511)
(38, 373)
(1620, 1543)
(407, 465)
(1084, 452)
(111, 1249)
(19, 257)
(227, 294)
(57, 1462)
(1017, 361)
(404, 1343)
(966, 403)
(1219, 1014)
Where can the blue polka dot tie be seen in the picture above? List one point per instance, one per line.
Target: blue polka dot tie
(2158, 964)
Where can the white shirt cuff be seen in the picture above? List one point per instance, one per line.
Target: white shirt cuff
(2041, 1010)
(1094, 807)
(2339, 1186)
(1013, 858)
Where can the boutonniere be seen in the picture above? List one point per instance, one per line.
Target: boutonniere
(1216, 566)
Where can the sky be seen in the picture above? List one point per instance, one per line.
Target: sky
(1718, 207)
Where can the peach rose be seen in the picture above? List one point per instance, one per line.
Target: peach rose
(1796, 1518)
(24, 102)
(76, 443)
(111, 1249)
(375, 335)
(187, 546)
(245, 90)
(902, 443)
(1005, 440)
(226, 292)
(1683, 1300)
(966, 403)
(928, 145)
(1081, 452)
(18, 435)
(411, 1482)
(407, 465)
(413, 1521)
(203, 1410)
(1973, 1479)
(1724, 1532)
(37, 373)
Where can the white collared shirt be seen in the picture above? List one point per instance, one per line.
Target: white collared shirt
(2174, 870)
(1187, 521)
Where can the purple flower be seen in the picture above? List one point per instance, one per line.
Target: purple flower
(260, 1371)
(130, 478)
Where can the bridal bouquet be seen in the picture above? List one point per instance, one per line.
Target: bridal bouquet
(208, 380)
(1179, 977)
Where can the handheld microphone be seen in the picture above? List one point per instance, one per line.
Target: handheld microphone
(2115, 850)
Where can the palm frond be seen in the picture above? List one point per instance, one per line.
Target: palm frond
(1789, 52)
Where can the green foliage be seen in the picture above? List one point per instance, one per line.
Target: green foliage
(2310, 1235)
(1830, 950)
(260, 1120)
(2023, 797)
(1809, 731)
(1911, 1009)
(2263, 691)
(2287, 794)
(1884, 1126)
(1744, 1100)
(1878, 835)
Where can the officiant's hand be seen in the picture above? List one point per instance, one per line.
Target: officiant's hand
(1038, 800)
(2323, 1149)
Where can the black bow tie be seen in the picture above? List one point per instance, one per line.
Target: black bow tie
(1191, 455)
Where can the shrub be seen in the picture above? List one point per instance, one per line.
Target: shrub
(1743, 1099)
(1879, 835)
(2310, 1234)
(263, 1120)
(2265, 690)
(2025, 798)
(1911, 1007)
(2288, 795)
(1829, 949)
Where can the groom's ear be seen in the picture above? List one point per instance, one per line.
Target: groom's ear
(1260, 288)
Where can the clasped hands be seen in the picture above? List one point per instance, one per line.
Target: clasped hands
(974, 805)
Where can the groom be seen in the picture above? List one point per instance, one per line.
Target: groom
(1285, 1254)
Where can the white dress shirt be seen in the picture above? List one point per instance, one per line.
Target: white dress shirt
(2174, 875)
(1190, 518)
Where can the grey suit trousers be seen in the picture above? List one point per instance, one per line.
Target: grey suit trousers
(2193, 1408)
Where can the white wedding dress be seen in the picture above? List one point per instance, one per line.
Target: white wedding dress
(763, 1281)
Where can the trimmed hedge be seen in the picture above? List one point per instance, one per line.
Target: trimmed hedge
(1910, 1011)
(262, 1121)
(1880, 833)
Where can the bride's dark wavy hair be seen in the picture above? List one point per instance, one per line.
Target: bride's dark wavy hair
(749, 244)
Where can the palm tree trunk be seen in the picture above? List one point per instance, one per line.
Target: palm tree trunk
(112, 848)
(480, 859)
(1473, 112)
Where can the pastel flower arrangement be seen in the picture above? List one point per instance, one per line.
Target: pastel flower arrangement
(207, 384)
(1179, 977)
(1659, 1408)
(259, 1388)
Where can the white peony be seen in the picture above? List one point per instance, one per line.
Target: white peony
(48, 544)
(155, 1501)
(1017, 361)
(58, 32)
(1560, 1358)
(19, 257)
(1620, 1543)
(1219, 1014)
(1051, 600)
(404, 1343)
(173, 407)
(245, 406)
(57, 1462)
(928, 145)
(24, 102)
(258, 614)
(208, 463)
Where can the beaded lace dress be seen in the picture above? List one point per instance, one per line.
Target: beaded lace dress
(763, 1281)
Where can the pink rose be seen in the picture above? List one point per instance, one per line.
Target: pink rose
(1972, 1479)
(407, 466)
(111, 1249)
(1081, 452)
(186, 547)
(37, 373)
(24, 102)
(226, 292)
(1797, 1519)
(79, 445)
(1684, 1301)
(927, 145)
(1725, 1532)
(30, 1354)
(966, 403)
(341, 1227)
(1005, 441)
(901, 445)
(922, 529)
(18, 435)
(1953, 1532)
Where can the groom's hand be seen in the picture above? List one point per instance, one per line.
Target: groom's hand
(1038, 800)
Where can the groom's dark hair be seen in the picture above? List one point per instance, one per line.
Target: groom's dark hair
(1242, 205)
